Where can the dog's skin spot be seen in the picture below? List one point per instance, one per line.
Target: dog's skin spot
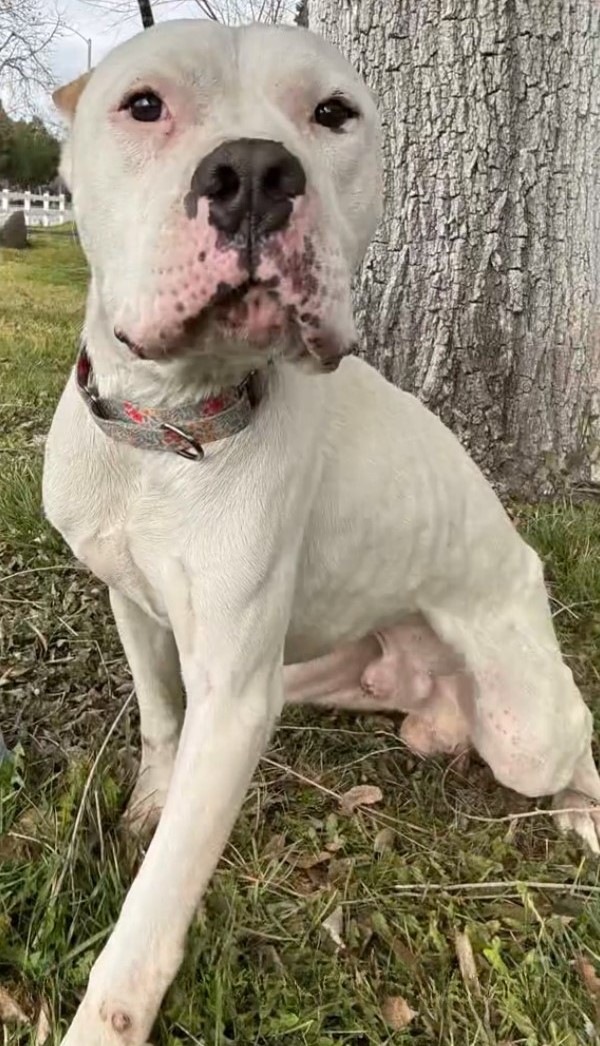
(121, 1022)
(190, 204)
(202, 256)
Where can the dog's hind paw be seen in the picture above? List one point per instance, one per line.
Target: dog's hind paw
(577, 814)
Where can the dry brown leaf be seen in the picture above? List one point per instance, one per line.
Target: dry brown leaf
(396, 1012)
(11, 849)
(43, 1029)
(334, 926)
(306, 861)
(384, 841)
(275, 846)
(403, 952)
(271, 959)
(466, 960)
(591, 981)
(360, 795)
(589, 976)
(339, 869)
(10, 1011)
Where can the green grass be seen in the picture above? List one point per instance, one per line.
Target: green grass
(261, 969)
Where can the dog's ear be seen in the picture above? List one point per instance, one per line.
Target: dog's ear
(65, 167)
(66, 98)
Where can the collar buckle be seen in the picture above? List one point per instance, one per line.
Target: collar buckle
(193, 451)
(91, 395)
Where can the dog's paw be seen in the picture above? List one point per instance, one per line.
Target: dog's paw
(577, 814)
(142, 814)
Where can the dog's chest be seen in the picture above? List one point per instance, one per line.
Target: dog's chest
(93, 494)
(108, 552)
(106, 542)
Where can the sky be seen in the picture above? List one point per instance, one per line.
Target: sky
(69, 54)
(106, 24)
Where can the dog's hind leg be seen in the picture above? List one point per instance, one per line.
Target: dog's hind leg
(528, 720)
(573, 810)
(405, 668)
(152, 655)
(334, 679)
(391, 670)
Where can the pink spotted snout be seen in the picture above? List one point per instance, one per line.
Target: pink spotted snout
(246, 260)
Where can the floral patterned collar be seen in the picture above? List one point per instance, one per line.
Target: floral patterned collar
(181, 430)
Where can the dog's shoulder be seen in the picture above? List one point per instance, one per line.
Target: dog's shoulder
(367, 397)
(84, 472)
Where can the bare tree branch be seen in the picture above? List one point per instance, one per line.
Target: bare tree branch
(28, 29)
(231, 12)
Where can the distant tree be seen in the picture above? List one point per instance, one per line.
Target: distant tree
(5, 141)
(29, 153)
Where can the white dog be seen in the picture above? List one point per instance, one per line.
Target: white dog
(249, 510)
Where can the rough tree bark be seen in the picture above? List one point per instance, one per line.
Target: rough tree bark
(482, 290)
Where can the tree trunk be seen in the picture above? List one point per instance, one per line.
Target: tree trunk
(302, 13)
(482, 289)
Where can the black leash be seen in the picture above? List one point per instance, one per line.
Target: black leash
(146, 13)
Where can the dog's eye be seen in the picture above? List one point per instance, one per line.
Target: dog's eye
(144, 106)
(334, 113)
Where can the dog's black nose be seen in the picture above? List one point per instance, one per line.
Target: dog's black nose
(250, 185)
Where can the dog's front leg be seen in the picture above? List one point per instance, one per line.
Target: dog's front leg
(154, 662)
(234, 694)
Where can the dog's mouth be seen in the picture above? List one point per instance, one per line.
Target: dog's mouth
(252, 313)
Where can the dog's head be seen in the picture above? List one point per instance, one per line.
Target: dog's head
(226, 183)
